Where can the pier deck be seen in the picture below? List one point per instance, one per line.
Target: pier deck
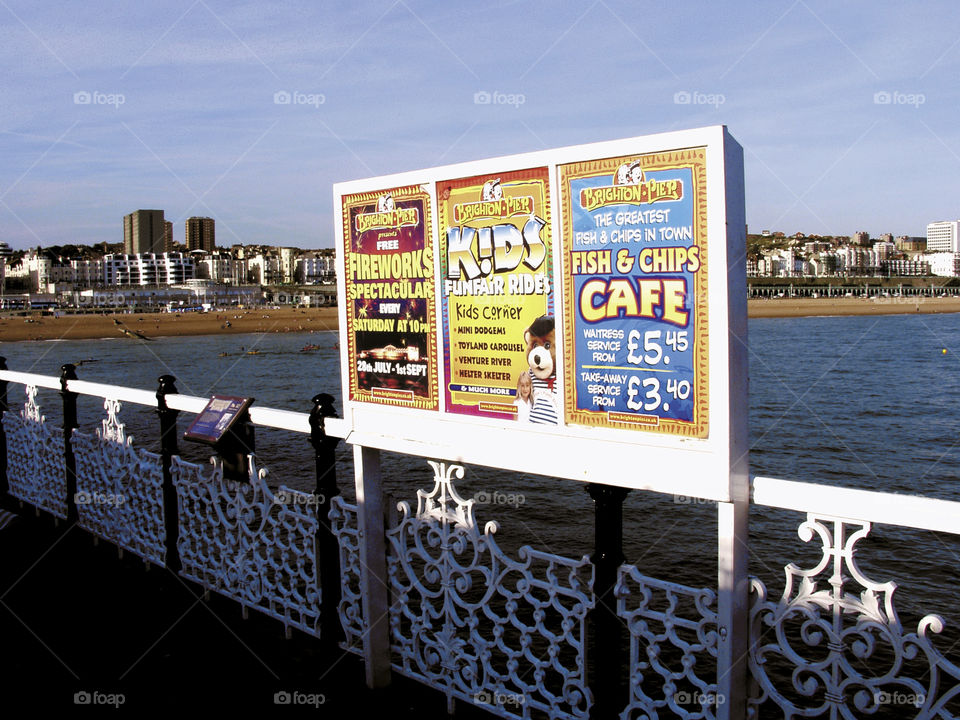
(78, 619)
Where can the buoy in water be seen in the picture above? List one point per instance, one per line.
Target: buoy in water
(944, 351)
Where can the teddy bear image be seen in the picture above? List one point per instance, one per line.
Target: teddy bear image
(540, 339)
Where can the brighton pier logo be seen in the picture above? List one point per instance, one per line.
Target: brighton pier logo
(387, 216)
(492, 205)
(630, 187)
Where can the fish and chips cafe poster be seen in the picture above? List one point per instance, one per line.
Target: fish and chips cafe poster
(496, 297)
(391, 312)
(635, 289)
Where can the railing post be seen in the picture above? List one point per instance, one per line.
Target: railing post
(69, 372)
(236, 445)
(374, 582)
(328, 549)
(4, 407)
(608, 649)
(168, 448)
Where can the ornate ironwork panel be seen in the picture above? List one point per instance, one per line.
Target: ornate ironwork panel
(504, 634)
(833, 645)
(120, 489)
(673, 647)
(36, 469)
(343, 521)
(248, 543)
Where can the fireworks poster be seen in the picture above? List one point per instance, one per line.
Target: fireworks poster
(496, 296)
(635, 292)
(391, 316)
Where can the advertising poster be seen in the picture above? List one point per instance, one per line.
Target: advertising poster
(496, 297)
(391, 315)
(635, 283)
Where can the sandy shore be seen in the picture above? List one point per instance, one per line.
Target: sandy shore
(151, 325)
(78, 327)
(809, 307)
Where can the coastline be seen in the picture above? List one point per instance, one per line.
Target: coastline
(267, 320)
(154, 325)
(844, 306)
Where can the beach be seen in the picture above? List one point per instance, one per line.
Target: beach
(151, 325)
(821, 307)
(15, 328)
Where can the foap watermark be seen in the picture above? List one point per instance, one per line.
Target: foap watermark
(499, 698)
(285, 97)
(916, 300)
(895, 97)
(288, 497)
(485, 97)
(915, 700)
(691, 500)
(699, 698)
(695, 97)
(85, 697)
(85, 97)
(483, 497)
(284, 697)
(98, 498)
(97, 299)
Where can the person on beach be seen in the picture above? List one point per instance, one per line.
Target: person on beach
(524, 401)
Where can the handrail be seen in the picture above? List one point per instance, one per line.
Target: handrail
(23, 378)
(114, 392)
(850, 503)
(262, 416)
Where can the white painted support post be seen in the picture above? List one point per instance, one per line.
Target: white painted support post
(733, 590)
(732, 610)
(373, 566)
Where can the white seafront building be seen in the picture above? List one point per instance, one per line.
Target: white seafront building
(943, 236)
(315, 267)
(147, 269)
(219, 266)
(190, 294)
(944, 264)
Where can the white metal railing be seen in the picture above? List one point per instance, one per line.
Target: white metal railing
(36, 469)
(120, 488)
(831, 646)
(835, 632)
(249, 543)
(261, 416)
(505, 633)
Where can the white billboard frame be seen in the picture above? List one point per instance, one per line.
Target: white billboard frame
(713, 467)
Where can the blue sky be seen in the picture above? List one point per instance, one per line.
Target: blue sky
(847, 112)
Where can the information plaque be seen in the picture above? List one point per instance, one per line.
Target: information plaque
(217, 419)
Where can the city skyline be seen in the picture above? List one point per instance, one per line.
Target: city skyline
(248, 114)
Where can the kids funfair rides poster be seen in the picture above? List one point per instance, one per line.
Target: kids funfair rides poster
(496, 296)
(389, 281)
(635, 289)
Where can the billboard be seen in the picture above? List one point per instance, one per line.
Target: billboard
(564, 311)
